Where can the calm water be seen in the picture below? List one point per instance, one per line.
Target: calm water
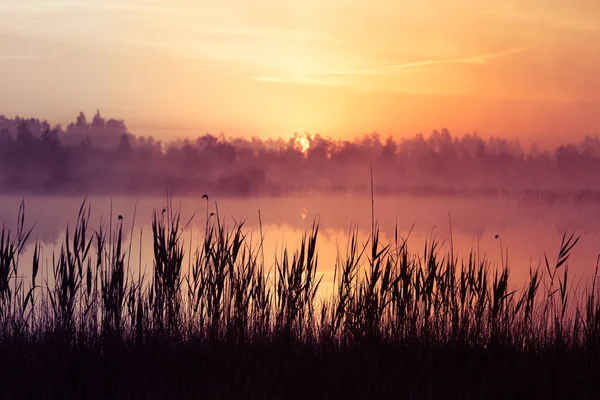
(525, 230)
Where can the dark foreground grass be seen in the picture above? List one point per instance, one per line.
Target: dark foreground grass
(397, 324)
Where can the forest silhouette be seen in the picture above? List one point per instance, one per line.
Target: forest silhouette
(104, 157)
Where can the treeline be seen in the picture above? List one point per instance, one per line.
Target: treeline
(103, 157)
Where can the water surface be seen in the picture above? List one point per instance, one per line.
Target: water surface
(525, 231)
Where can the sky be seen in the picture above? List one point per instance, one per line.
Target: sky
(527, 69)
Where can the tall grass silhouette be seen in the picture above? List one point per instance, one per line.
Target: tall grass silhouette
(229, 324)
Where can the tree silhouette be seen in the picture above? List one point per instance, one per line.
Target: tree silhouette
(81, 121)
(124, 149)
(98, 123)
(36, 157)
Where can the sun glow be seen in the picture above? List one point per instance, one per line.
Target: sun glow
(304, 213)
(303, 144)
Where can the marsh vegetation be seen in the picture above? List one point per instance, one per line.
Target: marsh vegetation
(219, 319)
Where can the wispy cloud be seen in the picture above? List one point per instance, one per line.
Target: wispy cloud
(345, 77)
(413, 65)
(65, 6)
(297, 81)
(18, 58)
(478, 59)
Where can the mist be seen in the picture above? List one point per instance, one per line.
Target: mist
(102, 157)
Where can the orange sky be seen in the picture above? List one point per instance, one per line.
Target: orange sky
(516, 68)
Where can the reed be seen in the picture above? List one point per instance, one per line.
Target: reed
(384, 296)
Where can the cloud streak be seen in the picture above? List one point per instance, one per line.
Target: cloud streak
(320, 79)
(477, 59)
(51, 7)
(297, 81)
(18, 58)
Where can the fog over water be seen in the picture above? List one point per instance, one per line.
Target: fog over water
(525, 230)
(102, 157)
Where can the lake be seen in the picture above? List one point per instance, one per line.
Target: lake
(525, 230)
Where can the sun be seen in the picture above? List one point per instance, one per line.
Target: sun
(303, 144)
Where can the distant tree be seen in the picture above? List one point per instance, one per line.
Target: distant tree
(116, 126)
(124, 149)
(206, 142)
(567, 156)
(80, 127)
(86, 144)
(225, 153)
(50, 140)
(44, 126)
(318, 152)
(370, 143)
(98, 123)
(5, 137)
(388, 152)
(189, 154)
(6, 146)
(25, 144)
(414, 147)
(24, 134)
(147, 149)
(348, 153)
(71, 128)
(81, 121)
